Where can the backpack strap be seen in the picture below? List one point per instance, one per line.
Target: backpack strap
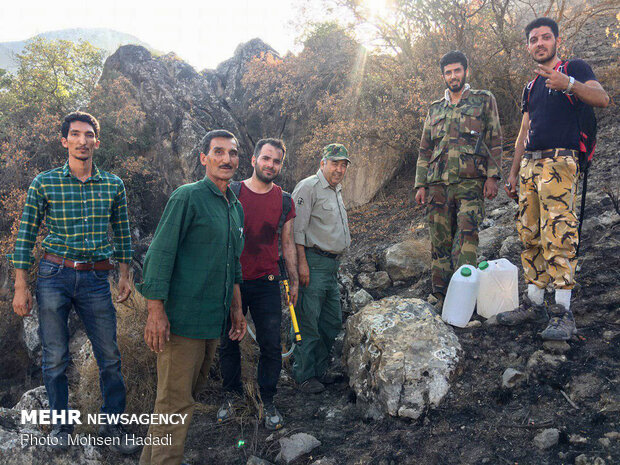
(235, 186)
(286, 208)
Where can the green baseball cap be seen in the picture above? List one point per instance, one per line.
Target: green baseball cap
(335, 152)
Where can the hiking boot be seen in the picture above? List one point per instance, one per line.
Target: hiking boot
(59, 437)
(526, 312)
(562, 326)
(126, 443)
(273, 418)
(311, 386)
(227, 409)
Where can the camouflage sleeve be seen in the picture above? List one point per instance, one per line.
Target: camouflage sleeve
(493, 139)
(424, 154)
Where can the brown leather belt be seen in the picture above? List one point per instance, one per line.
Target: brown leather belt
(551, 153)
(101, 265)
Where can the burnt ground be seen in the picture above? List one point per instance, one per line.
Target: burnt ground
(479, 422)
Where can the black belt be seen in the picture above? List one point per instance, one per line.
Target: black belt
(551, 153)
(322, 253)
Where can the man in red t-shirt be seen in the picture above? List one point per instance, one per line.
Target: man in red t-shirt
(263, 207)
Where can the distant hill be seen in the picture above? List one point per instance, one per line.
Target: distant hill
(106, 39)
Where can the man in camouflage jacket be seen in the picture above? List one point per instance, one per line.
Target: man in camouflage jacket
(458, 166)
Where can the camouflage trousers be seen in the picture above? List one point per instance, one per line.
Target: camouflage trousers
(546, 222)
(455, 212)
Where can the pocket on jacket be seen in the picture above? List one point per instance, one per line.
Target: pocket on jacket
(472, 166)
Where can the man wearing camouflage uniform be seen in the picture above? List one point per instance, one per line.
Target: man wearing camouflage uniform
(546, 166)
(452, 177)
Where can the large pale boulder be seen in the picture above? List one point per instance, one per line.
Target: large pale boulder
(400, 356)
(408, 259)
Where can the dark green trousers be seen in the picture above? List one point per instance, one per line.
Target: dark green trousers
(319, 316)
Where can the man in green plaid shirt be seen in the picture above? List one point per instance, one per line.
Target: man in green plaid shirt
(78, 202)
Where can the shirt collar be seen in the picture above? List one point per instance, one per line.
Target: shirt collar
(95, 174)
(213, 188)
(465, 94)
(325, 184)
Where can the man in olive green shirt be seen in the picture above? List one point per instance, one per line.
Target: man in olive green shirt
(191, 281)
(321, 233)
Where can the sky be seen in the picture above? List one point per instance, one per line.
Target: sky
(203, 33)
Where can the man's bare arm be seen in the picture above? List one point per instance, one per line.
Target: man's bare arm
(511, 187)
(22, 301)
(290, 255)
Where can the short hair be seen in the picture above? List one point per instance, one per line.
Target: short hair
(277, 143)
(205, 144)
(455, 56)
(539, 22)
(79, 116)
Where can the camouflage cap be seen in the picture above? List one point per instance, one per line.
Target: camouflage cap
(335, 152)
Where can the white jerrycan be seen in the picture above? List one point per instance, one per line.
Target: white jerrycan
(499, 287)
(460, 299)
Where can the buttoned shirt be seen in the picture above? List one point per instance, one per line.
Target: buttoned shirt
(321, 216)
(193, 261)
(77, 215)
(450, 137)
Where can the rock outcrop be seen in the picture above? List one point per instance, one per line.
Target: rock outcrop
(400, 357)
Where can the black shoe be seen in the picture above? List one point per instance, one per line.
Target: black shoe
(311, 386)
(59, 437)
(561, 326)
(524, 313)
(126, 443)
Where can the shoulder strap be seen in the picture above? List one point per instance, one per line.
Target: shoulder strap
(235, 186)
(286, 208)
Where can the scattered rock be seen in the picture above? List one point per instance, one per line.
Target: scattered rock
(511, 249)
(360, 299)
(369, 267)
(253, 460)
(542, 365)
(491, 321)
(583, 460)
(556, 347)
(398, 283)
(400, 356)
(605, 442)
(612, 435)
(35, 399)
(324, 461)
(547, 438)
(576, 439)
(474, 324)
(512, 378)
(408, 259)
(431, 299)
(609, 335)
(379, 280)
(490, 241)
(487, 223)
(295, 446)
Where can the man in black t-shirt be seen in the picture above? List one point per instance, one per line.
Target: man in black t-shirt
(546, 166)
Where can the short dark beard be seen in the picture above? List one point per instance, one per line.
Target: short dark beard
(261, 177)
(459, 87)
(554, 51)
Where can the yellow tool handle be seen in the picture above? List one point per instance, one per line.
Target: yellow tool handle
(293, 316)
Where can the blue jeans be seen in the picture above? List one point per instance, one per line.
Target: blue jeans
(262, 298)
(58, 289)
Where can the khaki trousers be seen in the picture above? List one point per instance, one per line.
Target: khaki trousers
(182, 371)
(547, 223)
